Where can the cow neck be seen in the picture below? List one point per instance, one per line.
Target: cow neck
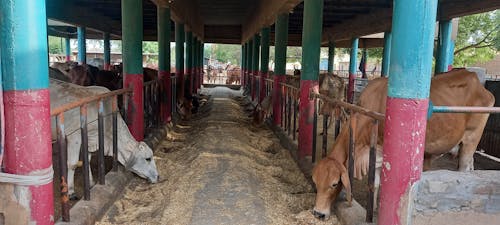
(340, 147)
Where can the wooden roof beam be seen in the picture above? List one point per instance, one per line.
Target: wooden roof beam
(186, 12)
(264, 15)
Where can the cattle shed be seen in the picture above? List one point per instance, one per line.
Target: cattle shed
(154, 105)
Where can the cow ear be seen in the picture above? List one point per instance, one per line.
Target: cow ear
(347, 185)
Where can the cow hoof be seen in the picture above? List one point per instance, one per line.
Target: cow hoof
(73, 197)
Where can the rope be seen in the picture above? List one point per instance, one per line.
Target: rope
(40, 177)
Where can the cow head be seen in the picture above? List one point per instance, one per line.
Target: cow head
(329, 176)
(331, 86)
(142, 163)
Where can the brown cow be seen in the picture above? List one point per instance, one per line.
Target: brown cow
(444, 132)
(233, 75)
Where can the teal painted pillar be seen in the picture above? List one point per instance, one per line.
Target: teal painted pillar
(445, 46)
(386, 60)
(202, 62)
(179, 58)
(26, 110)
(255, 66)
(107, 52)
(132, 64)
(250, 65)
(264, 62)
(82, 46)
(67, 46)
(281, 42)
(311, 45)
(364, 60)
(331, 56)
(352, 69)
(164, 63)
(189, 62)
(413, 28)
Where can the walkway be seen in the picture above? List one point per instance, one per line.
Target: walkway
(219, 169)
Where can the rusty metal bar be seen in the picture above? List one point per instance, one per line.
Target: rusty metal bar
(147, 114)
(63, 166)
(282, 106)
(352, 141)
(287, 113)
(100, 152)
(315, 130)
(125, 106)
(464, 109)
(115, 133)
(324, 145)
(87, 100)
(294, 118)
(337, 125)
(351, 107)
(289, 118)
(85, 152)
(371, 172)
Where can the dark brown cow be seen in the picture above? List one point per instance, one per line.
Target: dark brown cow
(444, 132)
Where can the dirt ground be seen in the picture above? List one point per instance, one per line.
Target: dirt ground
(217, 168)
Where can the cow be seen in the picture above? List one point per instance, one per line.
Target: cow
(233, 75)
(331, 86)
(135, 156)
(443, 133)
(64, 67)
(262, 110)
(58, 75)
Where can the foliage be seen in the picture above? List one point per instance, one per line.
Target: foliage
(224, 53)
(56, 45)
(150, 47)
(478, 38)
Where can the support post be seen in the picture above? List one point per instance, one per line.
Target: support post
(67, 46)
(387, 54)
(26, 102)
(364, 60)
(132, 64)
(202, 62)
(264, 63)
(255, 61)
(352, 69)
(107, 52)
(164, 63)
(179, 58)
(331, 56)
(250, 66)
(243, 66)
(281, 37)
(311, 44)
(445, 46)
(407, 103)
(189, 61)
(82, 46)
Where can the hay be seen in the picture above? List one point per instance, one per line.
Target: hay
(221, 170)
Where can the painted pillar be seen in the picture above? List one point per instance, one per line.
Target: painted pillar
(364, 59)
(250, 65)
(202, 62)
(264, 62)
(280, 44)
(179, 58)
(107, 52)
(311, 44)
(331, 56)
(242, 76)
(255, 66)
(132, 64)
(26, 102)
(445, 46)
(67, 46)
(197, 60)
(189, 61)
(82, 46)
(164, 63)
(407, 103)
(387, 54)
(352, 69)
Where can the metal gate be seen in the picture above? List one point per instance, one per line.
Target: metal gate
(490, 141)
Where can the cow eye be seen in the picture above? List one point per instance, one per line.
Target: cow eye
(148, 159)
(333, 185)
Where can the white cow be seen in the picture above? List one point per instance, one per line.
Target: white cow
(135, 156)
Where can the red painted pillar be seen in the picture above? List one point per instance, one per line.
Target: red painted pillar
(132, 64)
(28, 148)
(413, 25)
(189, 60)
(352, 70)
(179, 58)
(311, 44)
(264, 64)
(164, 63)
(281, 42)
(255, 68)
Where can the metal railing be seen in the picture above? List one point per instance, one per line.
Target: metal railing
(152, 90)
(58, 113)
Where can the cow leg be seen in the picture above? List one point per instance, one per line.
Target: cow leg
(73, 157)
(472, 136)
(91, 178)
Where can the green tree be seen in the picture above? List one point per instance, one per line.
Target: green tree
(224, 53)
(150, 47)
(56, 45)
(478, 38)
